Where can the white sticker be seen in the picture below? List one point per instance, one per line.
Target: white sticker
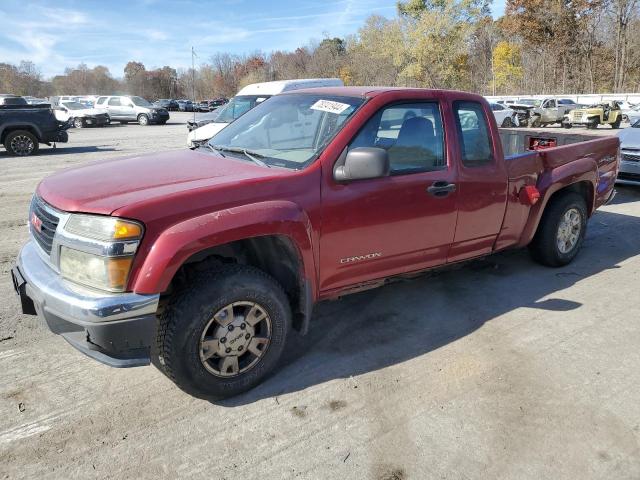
(330, 106)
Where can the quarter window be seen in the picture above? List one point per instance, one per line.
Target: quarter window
(473, 131)
(411, 133)
(114, 102)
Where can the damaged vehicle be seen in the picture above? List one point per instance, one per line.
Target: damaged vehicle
(549, 111)
(24, 127)
(608, 113)
(80, 115)
(505, 116)
(203, 261)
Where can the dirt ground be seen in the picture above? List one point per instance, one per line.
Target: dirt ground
(501, 370)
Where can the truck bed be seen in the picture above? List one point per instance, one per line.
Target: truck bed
(533, 156)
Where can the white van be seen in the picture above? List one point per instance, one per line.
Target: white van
(247, 98)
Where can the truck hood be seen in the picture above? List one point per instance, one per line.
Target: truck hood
(104, 187)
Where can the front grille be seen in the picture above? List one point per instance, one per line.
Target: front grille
(42, 223)
(631, 157)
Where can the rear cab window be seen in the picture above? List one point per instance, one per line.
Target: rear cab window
(476, 147)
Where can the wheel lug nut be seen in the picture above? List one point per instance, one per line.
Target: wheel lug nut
(240, 348)
(243, 326)
(231, 328)
(228, 350)
(247, 336)
(223, 339)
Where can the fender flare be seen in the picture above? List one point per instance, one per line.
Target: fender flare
(21, 125)
(174, 246)
(582, 170)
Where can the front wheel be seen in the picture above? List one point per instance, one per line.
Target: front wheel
(561, 230)
(535, 122)
(21, 143)
(567, 125)
(78, 123)
(593, 124)
(143, 120)
(507, 123)
(225, 333)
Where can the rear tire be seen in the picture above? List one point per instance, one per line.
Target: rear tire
(561, 230)
(201, 353)
(21, 143)
(616, 124)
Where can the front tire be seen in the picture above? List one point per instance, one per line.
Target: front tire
(561, 230)
(593, 124)
(507, 123)
(78, 123)
(21, 143)
(143, 120)
(225, 333)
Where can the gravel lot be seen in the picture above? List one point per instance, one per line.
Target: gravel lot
(503, 369)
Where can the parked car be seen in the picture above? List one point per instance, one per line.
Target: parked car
(126, 109)
(80, 115)
(24, 127)
(505, 117)
(548, 111)
(311, 195)
(217, 102)
(202, 106)
(630, 154)
(600, 114)
(631, 115)
(185, 105)
(168, 104)
(247, 98)
(203, 119)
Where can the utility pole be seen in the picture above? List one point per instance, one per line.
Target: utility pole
(193, 81)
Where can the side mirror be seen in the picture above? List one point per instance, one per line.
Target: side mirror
(362, 163)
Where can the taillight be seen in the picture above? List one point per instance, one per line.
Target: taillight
(529, 195)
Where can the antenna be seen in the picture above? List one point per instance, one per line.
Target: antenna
(193, 81)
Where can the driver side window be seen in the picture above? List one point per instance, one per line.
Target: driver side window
(411, 133)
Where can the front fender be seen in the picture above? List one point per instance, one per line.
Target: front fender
(182, 240)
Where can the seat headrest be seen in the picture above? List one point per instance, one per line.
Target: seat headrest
(414, 131)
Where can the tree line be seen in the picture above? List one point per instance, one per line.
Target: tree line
(538, 46)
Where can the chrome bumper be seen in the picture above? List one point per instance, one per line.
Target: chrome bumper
(117, 329)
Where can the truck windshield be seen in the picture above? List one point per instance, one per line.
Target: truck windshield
(288, 130)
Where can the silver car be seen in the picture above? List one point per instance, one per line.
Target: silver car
(125, 109)
(630, 149)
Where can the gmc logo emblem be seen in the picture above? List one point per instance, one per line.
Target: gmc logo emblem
(359, 258)
(36, 222)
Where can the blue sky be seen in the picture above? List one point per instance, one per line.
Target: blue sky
(62, 33)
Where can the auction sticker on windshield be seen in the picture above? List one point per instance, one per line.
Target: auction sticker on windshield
(330, 106)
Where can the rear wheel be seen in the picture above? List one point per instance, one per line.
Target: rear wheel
(143, 120)
(21, 143)
(616, 124)
(561, 230)
(224, 336)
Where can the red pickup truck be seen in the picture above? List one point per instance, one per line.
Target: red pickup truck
(202, 261)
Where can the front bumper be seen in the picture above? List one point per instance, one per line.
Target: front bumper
(115, 329)
(629, 173)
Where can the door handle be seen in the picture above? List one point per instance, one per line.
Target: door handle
(441, 188)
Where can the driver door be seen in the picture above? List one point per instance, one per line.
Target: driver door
(380, 227)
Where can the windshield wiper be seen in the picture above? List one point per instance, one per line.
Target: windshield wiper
(253, 156)
(213, 149)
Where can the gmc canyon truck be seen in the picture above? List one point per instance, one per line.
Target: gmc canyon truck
(203, 261)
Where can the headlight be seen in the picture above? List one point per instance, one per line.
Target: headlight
(103, 228)
(105, 273)
(100, 252)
